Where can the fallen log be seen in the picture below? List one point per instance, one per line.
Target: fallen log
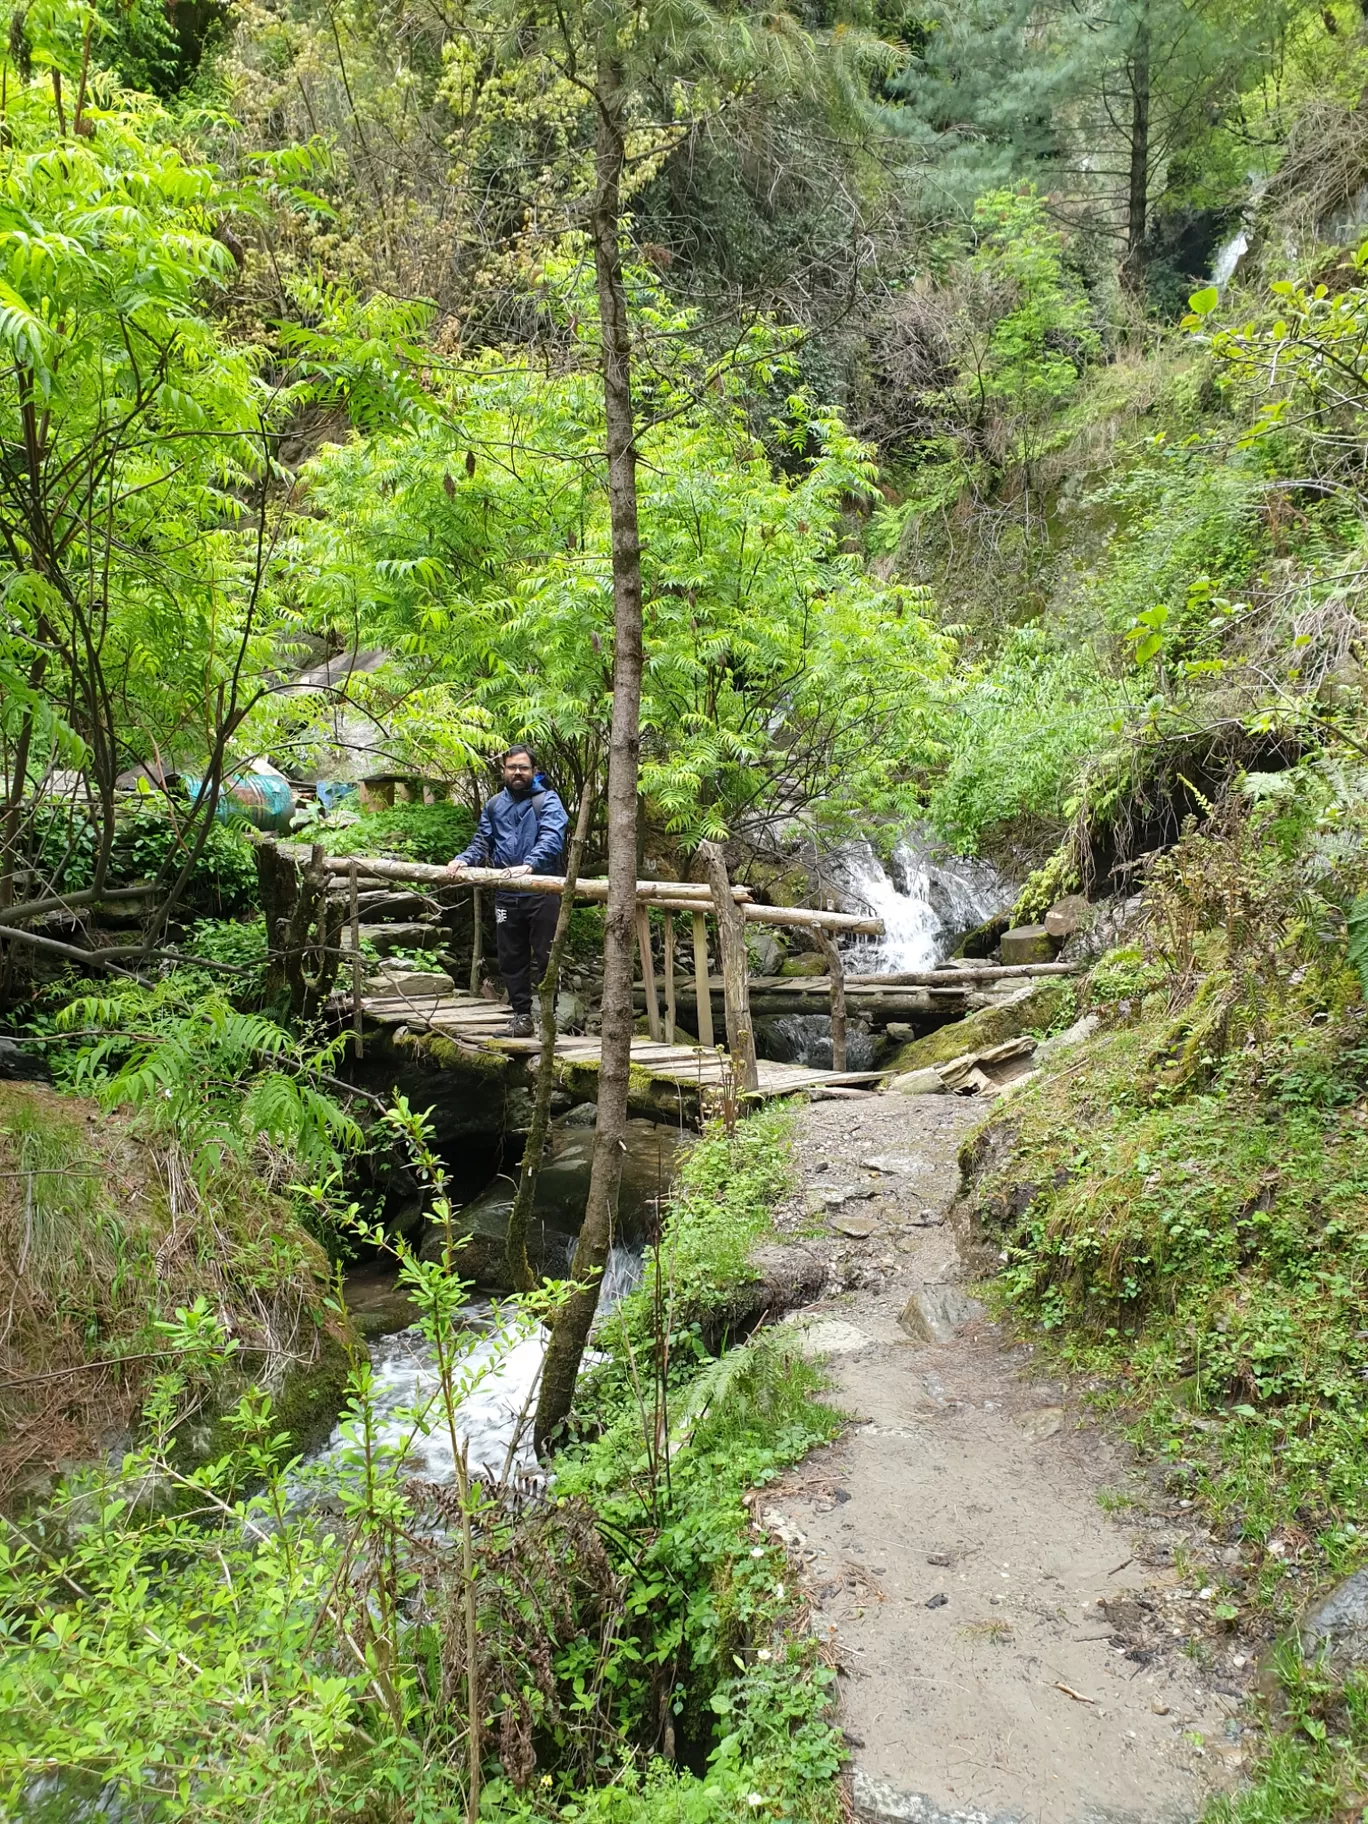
(977, 972)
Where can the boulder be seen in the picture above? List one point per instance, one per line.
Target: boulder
(1027, 944)
(919, 1083)
(811, 964)
(1338, 1624)
(18, 1066)
(981, 942)
(1065, 916)
(978, 1071)
(934, 1313)
(1051, 1049)
(1031, 1005)
(411, 984)
(388, 938)
(765, 951)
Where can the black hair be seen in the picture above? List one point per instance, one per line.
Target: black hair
(519, 747)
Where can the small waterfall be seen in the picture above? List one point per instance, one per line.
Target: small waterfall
(493, 1421)
(1228, 257)
(805, 1038)
(926, 898)
(1231, 251)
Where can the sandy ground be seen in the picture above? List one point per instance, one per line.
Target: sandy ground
(1008, 1650)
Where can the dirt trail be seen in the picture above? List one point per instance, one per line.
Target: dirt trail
(957, 1555)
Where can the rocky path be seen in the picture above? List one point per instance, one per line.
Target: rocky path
(1009, 1652)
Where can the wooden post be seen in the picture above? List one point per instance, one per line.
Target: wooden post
(476, 943)
(838, 1000)
(701, 988)
(731, 933)
(357, 1021)
(643, 925)
(669, 979)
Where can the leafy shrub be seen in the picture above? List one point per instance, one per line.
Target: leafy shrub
(632, 1597)
(239, 942)
(430, 833)
(1021, 736)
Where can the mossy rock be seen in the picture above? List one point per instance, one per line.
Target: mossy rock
(1034, 1008)
(305, 1401)
(811, 964)
(983, 940)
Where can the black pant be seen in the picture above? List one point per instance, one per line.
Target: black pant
(524, 924)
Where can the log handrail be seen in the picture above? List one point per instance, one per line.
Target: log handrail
(663, 895)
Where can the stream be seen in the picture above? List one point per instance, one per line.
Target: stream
(928, 899)
(498, 1356)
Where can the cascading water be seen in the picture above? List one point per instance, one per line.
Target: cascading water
(926, 899)
(1228, 256)
(805, 1038)
(493, 1420)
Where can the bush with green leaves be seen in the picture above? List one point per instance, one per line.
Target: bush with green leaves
(430, 833)
(222, 1080)
(1022, 734)
(241, 1656)
(474, 545)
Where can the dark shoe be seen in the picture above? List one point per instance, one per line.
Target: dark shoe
(521, 1026)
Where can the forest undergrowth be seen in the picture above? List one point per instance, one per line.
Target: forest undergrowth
(202, 1642)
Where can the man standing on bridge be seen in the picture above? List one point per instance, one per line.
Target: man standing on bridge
(521, 829)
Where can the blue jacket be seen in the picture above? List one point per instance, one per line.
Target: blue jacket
(516, 832)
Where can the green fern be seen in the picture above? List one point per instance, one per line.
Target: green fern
(223, 1080)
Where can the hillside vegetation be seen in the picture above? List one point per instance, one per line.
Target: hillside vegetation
(795, 424)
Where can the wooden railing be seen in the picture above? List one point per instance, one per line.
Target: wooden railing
(731, 908)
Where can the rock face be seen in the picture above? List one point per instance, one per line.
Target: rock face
(1339, 1623)
(1027, 944)
(18, 1066)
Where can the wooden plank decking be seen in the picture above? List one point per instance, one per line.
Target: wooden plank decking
(479, 1023)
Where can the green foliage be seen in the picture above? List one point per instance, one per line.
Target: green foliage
(1023, 734)
(224, 1081)
(114, 1232)
(1184, 1219)
(430, 833)
(1313, 1770)
(316, 1667)
(725, 1189)
(150, 843)
(238, 942)
(772, 653)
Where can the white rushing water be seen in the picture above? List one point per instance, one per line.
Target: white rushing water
(926, 900)
(500, 1367)
(1228, 257)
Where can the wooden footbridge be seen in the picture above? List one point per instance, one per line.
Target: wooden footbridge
(469, 1020)
(675, 1062)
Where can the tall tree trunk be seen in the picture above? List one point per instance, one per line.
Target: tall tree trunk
(571, 1331)
(1138, 200)
(520, 1216)
(14, 807)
